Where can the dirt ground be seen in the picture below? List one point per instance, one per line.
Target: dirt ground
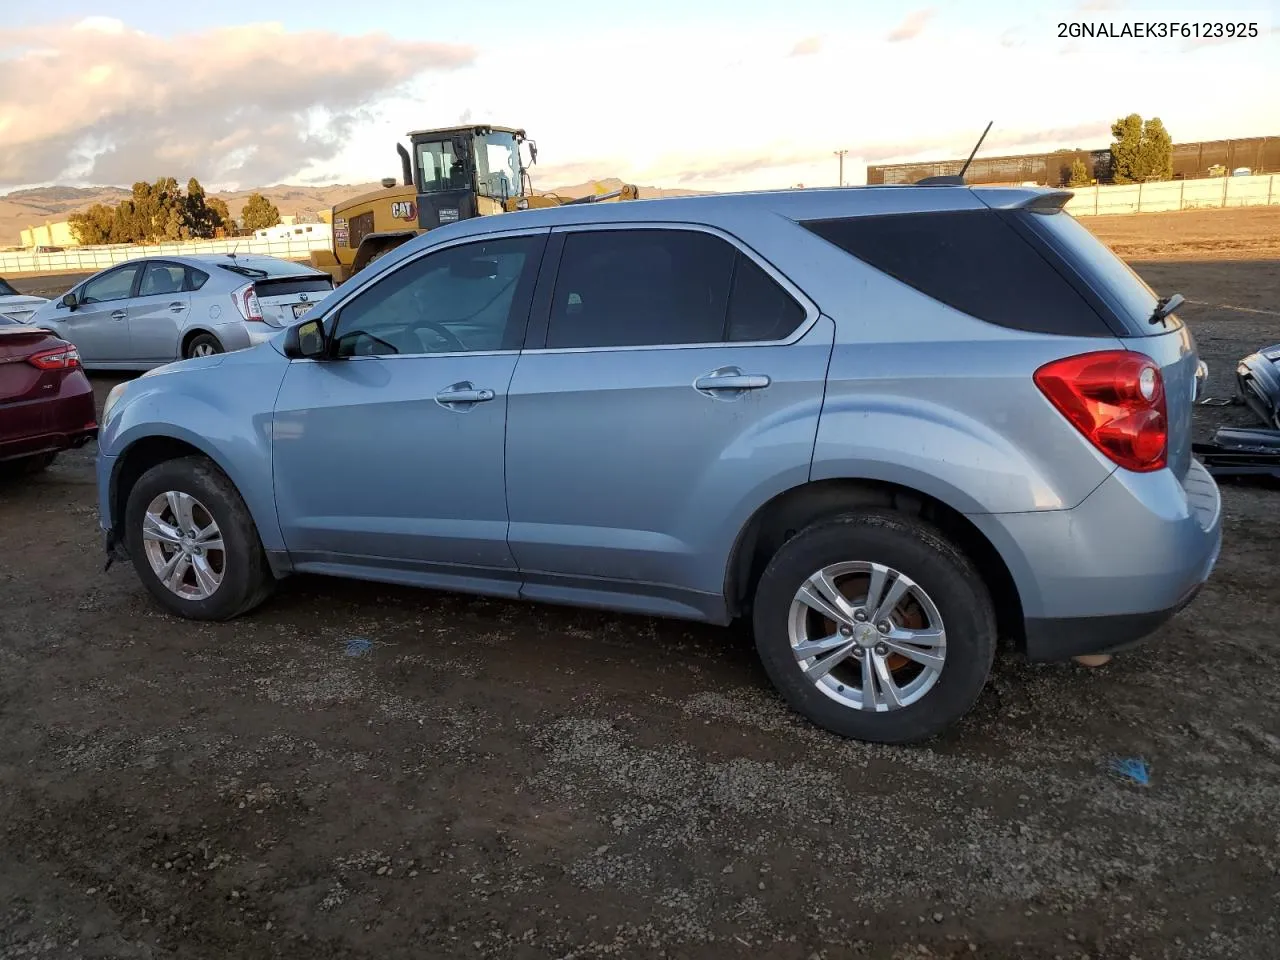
(507, 780)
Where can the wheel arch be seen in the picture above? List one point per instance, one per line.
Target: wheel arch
(190, 335)
(152, 449)
(789, 512)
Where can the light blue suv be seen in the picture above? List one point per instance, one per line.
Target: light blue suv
(886, 425)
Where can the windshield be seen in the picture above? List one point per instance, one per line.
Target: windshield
(498, 163)
(439, 168)
(6, 290)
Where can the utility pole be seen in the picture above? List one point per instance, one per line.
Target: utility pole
(840, 154)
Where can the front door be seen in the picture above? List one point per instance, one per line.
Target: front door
(389, 455)
(99, 325)
(678, 380)
(158, 314)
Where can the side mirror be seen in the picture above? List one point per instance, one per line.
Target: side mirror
(305, 340)
(70, 301)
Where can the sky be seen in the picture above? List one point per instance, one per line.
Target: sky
(698, 94)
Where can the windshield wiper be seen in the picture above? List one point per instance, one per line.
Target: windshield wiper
(1166, 306)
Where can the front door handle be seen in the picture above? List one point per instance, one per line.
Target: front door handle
(730, 379)
(463, 394)
(118, 314)
(177, 306)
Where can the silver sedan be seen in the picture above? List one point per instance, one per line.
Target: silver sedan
(154, 310)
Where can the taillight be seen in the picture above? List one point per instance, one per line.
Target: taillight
(246, 300)
(59, 358)
(1116, 399)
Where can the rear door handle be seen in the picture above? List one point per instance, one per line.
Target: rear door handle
(464, 393)
(118, 314)
(177, 306)
(730, 379)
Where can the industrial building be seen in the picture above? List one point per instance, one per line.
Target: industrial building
(1191, 161)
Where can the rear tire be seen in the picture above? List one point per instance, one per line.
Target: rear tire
(203, 345)
(194, 486)
(940, 678)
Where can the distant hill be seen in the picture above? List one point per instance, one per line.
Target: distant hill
(37, 206)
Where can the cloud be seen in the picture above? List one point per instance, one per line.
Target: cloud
(807, 47)
(104, 103)
(911, 26)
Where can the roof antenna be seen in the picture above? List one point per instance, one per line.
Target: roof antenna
(958, 178)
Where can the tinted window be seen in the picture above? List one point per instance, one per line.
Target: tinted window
(161, 278)
(1113, 279)
(759, 309)
(470, 297)
(6, 290)
(195, 278)
(116, 285)
(973, 261)
(623, 288)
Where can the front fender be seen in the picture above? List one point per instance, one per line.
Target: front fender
(224, 410)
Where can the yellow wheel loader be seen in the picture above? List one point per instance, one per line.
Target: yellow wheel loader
(448, 174)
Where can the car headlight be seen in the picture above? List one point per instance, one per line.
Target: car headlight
(112, 399)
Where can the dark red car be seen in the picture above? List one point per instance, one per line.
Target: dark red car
(46, 401)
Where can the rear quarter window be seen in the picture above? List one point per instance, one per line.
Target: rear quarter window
(975, 261)
(1125, 293)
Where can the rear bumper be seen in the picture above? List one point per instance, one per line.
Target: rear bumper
(46, 443)
(1107, 574)
(68, 421)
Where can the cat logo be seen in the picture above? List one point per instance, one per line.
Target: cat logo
(404, 210)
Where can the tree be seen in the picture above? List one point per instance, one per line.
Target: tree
(259, 212)
(1079, 174)
(1142, 150)
(154, 212)
(222, 216)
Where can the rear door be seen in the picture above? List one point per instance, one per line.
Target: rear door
(99, 325)
(158, 314)
(676, 376)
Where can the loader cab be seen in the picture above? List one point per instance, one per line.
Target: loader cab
(464, 172)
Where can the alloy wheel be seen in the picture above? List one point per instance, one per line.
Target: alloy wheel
(184, 545)
(867, 636)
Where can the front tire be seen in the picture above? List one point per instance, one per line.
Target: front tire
(193, 543)
(876, 627)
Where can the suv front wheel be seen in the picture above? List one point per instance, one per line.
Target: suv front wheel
(193, 542)
(876, 627)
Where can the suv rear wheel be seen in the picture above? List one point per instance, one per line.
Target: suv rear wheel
(876, 627)
(193, 542)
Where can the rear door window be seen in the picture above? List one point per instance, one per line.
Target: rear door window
(641, 287)
(162, 278)
(759, 308)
